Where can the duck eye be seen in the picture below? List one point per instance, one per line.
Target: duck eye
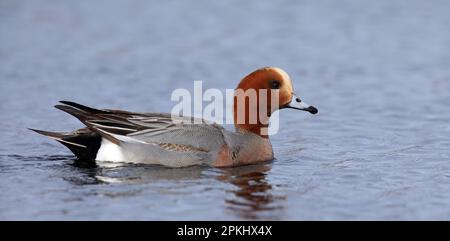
(274, 84)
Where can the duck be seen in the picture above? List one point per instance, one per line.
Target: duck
(180, 141)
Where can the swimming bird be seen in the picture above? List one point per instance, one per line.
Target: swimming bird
(179, 141)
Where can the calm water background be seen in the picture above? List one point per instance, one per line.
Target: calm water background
(379, 72)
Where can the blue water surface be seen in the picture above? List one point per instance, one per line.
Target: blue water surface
(378, 71)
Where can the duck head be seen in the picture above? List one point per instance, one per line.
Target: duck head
(261, 93)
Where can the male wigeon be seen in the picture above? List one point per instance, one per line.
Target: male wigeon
(175, 141)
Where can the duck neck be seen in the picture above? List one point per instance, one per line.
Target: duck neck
(253, 128)
(258, 125)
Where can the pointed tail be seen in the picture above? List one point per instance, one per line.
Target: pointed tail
(83, 143)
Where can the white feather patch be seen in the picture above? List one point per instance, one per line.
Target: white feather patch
(110, 152)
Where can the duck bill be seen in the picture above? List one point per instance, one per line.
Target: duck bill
(297, 104)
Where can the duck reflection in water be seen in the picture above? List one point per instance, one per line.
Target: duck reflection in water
(250, 197)
(254, 197)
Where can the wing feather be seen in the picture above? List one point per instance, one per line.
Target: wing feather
(170, 132)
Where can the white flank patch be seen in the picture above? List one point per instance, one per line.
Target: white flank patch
(109, 152)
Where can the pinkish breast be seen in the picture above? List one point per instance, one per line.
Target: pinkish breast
(250, 154)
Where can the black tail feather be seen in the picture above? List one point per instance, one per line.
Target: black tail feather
(54, 135)
(79, 114)
(82, 107)
(86, 114)
(83, 143)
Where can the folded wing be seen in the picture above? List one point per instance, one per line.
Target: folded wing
(171, 133)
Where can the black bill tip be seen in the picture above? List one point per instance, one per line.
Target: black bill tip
(313, 110)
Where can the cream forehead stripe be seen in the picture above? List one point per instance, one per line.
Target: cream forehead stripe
(282, 73)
